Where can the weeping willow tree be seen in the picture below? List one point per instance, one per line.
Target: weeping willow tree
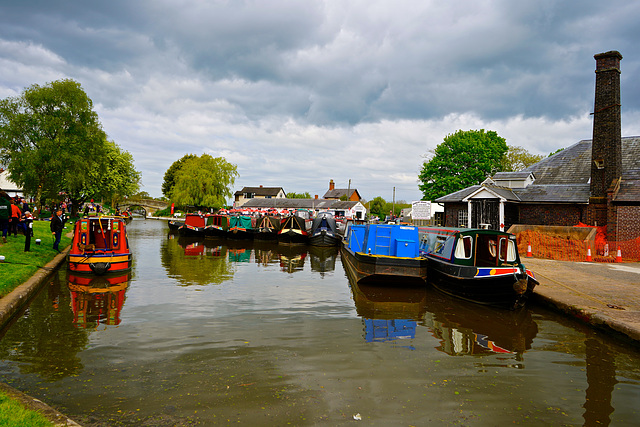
(204, 181)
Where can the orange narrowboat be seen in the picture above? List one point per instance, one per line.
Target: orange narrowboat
(100, 246)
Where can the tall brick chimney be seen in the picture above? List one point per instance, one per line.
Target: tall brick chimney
(332, 185)
(606, 146)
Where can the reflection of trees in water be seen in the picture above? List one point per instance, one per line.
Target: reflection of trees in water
(46, 341)
(196, 261)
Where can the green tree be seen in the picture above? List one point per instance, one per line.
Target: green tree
(170, 174)
(204, 181)
(51, 139)
(517, 159)
(378, 207)
(465, 158)
(304, 195)
(121, 178)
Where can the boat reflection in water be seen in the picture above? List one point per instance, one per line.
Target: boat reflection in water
(323, 258)
(292, 257)
(97, 300)
(463, 328)
(467, 328)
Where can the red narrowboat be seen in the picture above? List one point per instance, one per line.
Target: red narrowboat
(100, 246)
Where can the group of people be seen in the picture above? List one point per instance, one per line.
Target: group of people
(14, 216)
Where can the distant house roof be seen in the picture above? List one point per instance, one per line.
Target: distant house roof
(336, 193)
(283, 203)
(7, 185)
(565, 177)
(260, 191)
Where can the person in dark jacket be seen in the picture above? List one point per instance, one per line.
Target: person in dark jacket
(57, 224)
(5, 214)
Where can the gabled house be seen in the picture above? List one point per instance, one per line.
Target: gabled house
(334, 193)
(9, 186)
(595, 182)
(248, 193)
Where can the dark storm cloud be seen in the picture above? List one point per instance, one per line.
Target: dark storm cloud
(394, 77)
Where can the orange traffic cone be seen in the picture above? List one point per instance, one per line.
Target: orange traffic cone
(529, 254)
(589, 254)
(619, 256)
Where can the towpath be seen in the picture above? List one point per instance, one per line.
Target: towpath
(606, 296)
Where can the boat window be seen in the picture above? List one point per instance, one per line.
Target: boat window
(507, 250)
(492, 248)
(463, 248)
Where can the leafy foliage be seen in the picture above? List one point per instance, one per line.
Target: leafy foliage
(517, 159)
(305, 195)
(170, 174)
(52, 141)
(465, 158)
(204, 181)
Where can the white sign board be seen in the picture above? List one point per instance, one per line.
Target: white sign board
(421, 210)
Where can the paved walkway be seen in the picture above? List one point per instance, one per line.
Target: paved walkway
(604, 295)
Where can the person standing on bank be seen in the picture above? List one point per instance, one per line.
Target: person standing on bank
(57, 224)
(5, 214)
(16, 213)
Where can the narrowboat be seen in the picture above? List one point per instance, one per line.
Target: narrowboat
(293, 231)
(267, 228)
(477, 265)
(100, 246)
(216, 226)
(324, 231)
(240, 227)
(193, 226)
(387, 252)
(174, 225)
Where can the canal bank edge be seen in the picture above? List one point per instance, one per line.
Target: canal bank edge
(10, 306)
(11, 303)
(604, 296)
(56, 418)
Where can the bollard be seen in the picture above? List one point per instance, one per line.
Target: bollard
(529, 254)
(589, 254)
(619, 256)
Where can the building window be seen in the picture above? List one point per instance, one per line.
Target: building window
(268, 197)
(249, 195)
(463, 217)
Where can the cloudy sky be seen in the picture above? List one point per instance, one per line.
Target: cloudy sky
(298, 92)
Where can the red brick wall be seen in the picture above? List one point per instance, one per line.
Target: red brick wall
(565, 215)
(628, 222)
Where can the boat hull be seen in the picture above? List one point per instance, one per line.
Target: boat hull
(293, 237)
(214, 231)
(504, 287)
(190, 231)
(174, 225)
(323, 238)
(99, 264)
(240, 234)
(372, 268)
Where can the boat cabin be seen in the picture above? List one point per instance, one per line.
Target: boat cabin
(471, 247)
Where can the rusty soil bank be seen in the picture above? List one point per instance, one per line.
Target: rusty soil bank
(606, 296)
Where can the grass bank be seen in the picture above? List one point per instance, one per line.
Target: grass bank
(18, 265)
(12, 413)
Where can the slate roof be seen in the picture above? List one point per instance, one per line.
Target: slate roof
(298, 204)
(260, 191)
(565, 176)
(336, 193)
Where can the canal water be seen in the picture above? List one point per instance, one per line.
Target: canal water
(223, 332)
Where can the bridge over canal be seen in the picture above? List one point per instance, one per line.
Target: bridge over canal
(148, 205)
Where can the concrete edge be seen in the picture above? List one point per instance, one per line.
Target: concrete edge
(11, 303)
(591, 318)
(10, 306)
(36, 405)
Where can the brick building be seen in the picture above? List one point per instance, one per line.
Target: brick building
(596, 182)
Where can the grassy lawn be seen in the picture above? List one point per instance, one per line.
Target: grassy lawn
(19, 265)
(12, 413)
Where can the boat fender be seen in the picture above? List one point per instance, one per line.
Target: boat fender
(100, 267)
(520, 286)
